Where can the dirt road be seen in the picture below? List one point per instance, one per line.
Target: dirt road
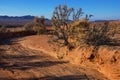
(20, 63)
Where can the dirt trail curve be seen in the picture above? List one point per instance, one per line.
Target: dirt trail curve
(19, 63)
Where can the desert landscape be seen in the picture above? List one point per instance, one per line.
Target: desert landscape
(65, 47)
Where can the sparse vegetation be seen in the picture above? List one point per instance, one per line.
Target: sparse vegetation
(60, 21)
(79, 32)
(36, 25)
(3, 29)
(29, 26)
(69, 31)
(94, 47)
(98, 35)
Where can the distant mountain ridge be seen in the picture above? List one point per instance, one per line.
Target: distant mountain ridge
(29, 17)
(17, 17)
(14, 21)
(103, 20)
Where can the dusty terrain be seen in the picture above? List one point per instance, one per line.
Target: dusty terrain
(106, 59)
(18, 62)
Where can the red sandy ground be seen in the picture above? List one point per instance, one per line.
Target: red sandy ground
(107, 61)
(30, 58)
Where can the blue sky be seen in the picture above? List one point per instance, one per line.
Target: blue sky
(101, 9)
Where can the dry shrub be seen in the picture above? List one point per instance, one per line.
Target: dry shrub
(60, 21)
(3, 29)
(37, 25)
(98, 35)
(101, 34)
(77, 32)
(29, 26)
(80, 32)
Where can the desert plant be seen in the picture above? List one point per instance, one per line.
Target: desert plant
(3, 29)
(60, 21)
(42, 22)
(37, 25)
(95, 34)
(77, 32)
(99, 34)
(42, 25)
(28, 26)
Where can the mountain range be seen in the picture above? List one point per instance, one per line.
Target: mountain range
(15, 21)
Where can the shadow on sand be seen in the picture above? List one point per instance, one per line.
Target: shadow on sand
(69, 77)
(25, 62)
(30, 65)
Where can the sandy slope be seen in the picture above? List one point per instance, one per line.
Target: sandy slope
(106, 59)
(22, 63)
